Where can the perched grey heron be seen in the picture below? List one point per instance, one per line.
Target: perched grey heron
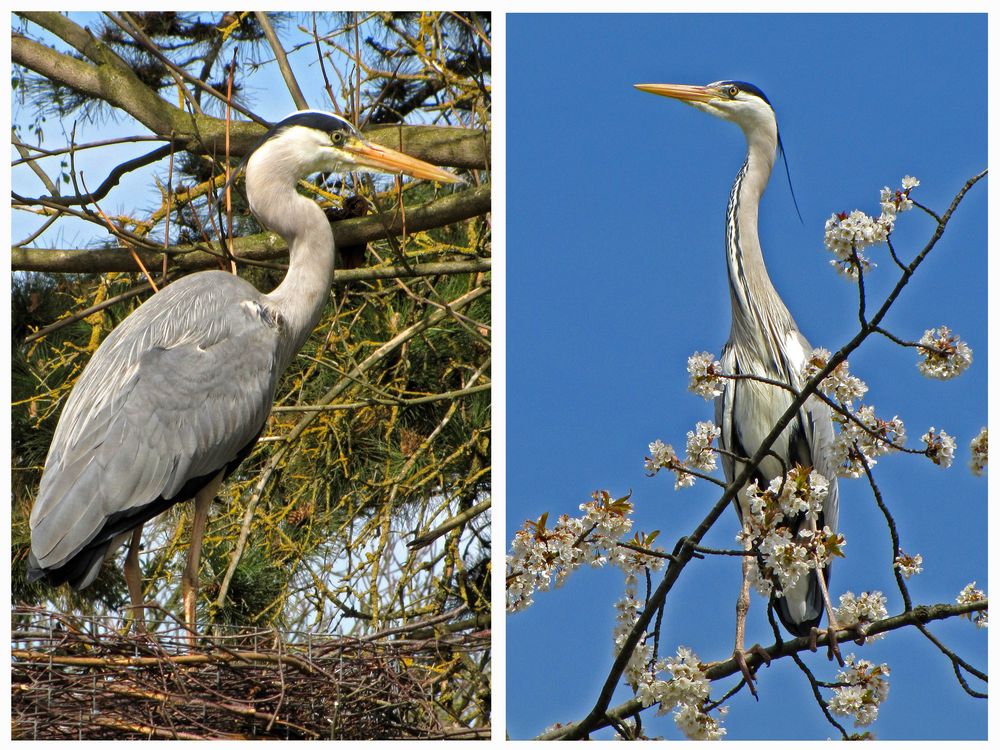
(764, 341)
(176, 396)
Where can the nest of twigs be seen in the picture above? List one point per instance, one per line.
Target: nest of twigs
(88, 678)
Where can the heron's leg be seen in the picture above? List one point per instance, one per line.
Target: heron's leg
(743, 604)
(742, 607)
(189, 583)
(832, 647)
(133, 577)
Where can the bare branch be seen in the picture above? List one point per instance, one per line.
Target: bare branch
(282, 59)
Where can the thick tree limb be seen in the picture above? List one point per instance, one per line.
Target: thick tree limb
(108, 77)
(917, 616)
(266, 246)
(441, 268)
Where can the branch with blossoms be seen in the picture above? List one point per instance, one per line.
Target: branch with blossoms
(916, 617)
(541, 557)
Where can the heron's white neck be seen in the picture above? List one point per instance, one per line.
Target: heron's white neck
(302, 294)
(755, 303)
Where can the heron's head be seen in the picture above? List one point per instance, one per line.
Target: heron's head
(309, 141)
(736, 101)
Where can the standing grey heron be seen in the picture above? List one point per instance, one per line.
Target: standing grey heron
(176, 396)
(765, 342)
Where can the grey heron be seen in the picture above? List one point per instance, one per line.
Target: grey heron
(177, 395)
(764, 341)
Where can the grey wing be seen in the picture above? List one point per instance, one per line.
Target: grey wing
(724, 410)
(174, 395)
(818, 437)
(802, 606)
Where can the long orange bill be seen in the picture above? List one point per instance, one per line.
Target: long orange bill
(373, 156)
(680, 91)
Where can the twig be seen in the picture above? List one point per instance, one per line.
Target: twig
(282, 60)
(816, 694)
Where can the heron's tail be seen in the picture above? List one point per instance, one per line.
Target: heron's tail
(79, 571)
(801, 607)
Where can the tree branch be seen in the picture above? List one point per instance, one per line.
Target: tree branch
(111, 79)
(266, 246)
(431, 319)
(281, 59)
(111, 180)
(443, 268)
(718, 670)
(683, 552)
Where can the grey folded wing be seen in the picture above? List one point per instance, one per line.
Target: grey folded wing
(176, 394)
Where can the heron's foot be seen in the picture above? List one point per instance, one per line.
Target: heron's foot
(861, 633)
(832, 647)
(761, 653)
(740, 656)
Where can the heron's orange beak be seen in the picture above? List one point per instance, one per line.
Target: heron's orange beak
(372, 156)
(680, 91)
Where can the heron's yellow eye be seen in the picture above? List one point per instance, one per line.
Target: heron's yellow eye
(733, 91)
(337, 137)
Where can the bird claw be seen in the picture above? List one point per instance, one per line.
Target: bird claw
(861, 633)
(832, 647)
(740, 656)
(741, 662)
(759, 650)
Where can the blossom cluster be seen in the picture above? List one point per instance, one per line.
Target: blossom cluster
(944, 354)
(699, 446)
(700, 455)
(626, 615)
(980, 448)
(629, 606)
(541, 556)
(846, 235)
(785, 554)
(871, 438)
(863, 609)
(706, 375)
(969, 595)
(865, 688)
(909, 565)
(685, 692)
(940, 447)
(840, 383)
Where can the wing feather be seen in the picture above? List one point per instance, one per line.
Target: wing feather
(174, 393)
(746, 412)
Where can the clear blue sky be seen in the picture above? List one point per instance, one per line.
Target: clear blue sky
(615, 274)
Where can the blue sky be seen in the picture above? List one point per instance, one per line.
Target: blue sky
(615, 274)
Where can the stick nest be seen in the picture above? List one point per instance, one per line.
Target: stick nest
(84, 678)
